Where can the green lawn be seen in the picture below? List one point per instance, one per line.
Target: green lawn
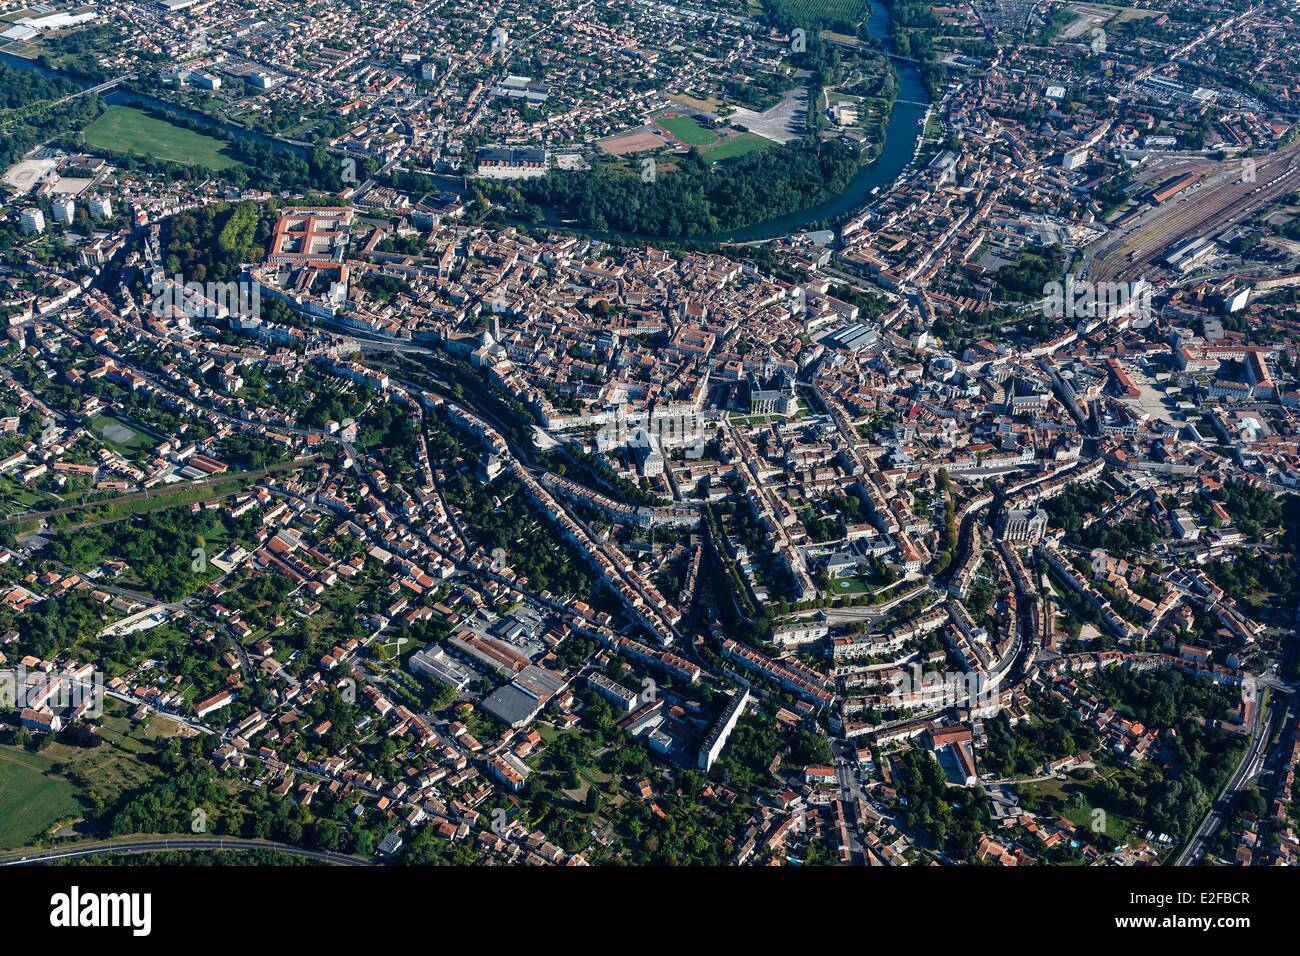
(687, 129)
(851, 585)
(1118, 827)
(734, 146)
(933, 128)
(31, 799)
(61, 782)
(14, 492)
(120, 437)
(125, 129)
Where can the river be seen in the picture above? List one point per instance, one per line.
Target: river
(902, 132)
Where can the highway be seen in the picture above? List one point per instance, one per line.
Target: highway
(220, 844)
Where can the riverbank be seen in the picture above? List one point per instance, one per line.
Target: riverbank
(900, 146)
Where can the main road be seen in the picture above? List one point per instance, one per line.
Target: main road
(219, 844)
(1251, 764)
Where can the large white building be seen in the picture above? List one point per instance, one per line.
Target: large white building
(33, 221)
(717, 736)
(1023, 524)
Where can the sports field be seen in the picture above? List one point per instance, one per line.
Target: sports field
(734, 146)
(121, 437)
(685, 129)
(125, 129)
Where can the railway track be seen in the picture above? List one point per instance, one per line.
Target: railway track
(1208, 211)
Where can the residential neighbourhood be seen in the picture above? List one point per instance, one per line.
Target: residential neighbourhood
(805, 433)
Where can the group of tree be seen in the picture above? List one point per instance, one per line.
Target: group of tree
(211, 243)
(1025, 750)
(19, 87)
(954, 816)
(162, 548)
(698, 197)
(1026, 279)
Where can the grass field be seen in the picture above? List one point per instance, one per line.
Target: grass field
(122, 438)
(125, 129)
(60, 782)
(734, 146)
(31, 798)
(1137, 13)
(687, 129)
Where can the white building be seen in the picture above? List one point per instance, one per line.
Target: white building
(1075, 158)
(808, 632)
(1185, 525)
(717, 736)
(33, 221)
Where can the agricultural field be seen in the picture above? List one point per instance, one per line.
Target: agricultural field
(819, 13)
(709, 105)
(61, 782)
(1077, 20)
(31, 798)
(124, 129)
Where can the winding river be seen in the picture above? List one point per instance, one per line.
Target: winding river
(902, 133)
